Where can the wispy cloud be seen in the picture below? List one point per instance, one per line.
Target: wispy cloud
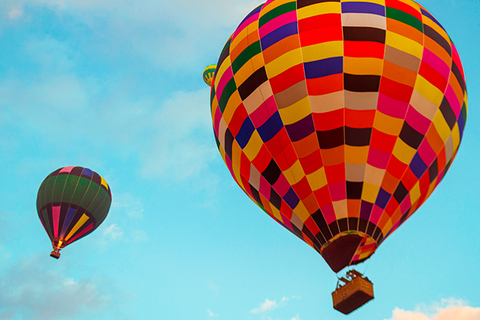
(447, 309)
(113, 232)
(28, 290)
(269, 305)
(211, 314)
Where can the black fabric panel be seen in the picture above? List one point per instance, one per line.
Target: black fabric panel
(362, 225)
(353, 223)
(371, 229)
(357, 137)
(458, 75)
(430, 32)
(334, 227)
(252, 83)
(400, 193)
(330, 139)
(361, 83)
(272, 172)
(317, 216)
(228, 143)
(255, 194)
(354, 190)
(364, 34)
(275, 199)
(448, 113)
(433, 170)
(410, 136)
(343, 224)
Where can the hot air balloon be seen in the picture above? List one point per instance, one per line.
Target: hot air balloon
(339, 118)
(71, 203)
(208, 74)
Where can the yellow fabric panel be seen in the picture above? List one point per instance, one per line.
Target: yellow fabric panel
(387, 124)
(319, 9)
(441, 125)
(84, 218)
(415, 193)
(296, 111)
(403, 152)
(366, 66)
(356, 155)
(322, 51)
(429, 91)
(456, 136)
(404, 44)
(294, 173)
(301, 211)
(104, 183)
(236, 156)
(284, 62)
(370, 192)
(276, 213)
(253, 146)
(317, 179)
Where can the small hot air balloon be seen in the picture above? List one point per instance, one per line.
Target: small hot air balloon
(71, 203)
(339, 118)
(208, 74)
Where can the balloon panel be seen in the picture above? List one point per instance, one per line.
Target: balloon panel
(339, 118)
(71, 203)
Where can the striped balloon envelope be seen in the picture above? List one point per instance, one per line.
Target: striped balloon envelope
(71, 203)
(339, 118)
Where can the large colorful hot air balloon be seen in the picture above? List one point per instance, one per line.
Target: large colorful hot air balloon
(339, 118)
(71, 203)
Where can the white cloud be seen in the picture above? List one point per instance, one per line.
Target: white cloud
(269, 305)
(113, 232)
(15, 13)
(447, 309)
(210, 314)
(28, 290)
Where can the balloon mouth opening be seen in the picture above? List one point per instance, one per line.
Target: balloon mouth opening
(348, 249)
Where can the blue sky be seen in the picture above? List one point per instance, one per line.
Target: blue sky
(116, 86)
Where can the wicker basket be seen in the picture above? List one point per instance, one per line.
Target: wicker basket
(352, 295)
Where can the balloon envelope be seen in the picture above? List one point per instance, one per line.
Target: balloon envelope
(339, 118)
(71, 203)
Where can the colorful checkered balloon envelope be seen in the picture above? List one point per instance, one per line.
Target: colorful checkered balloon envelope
(339, 118)
(71, 203)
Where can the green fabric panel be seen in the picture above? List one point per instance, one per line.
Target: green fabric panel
(58, 188)
(82, 187)
(404, 17)
(46, 221)
(278, 11)
(70, 188)
(99, 206)
(44, 193)
(247, 54)
(227, 92)
(89, 196)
